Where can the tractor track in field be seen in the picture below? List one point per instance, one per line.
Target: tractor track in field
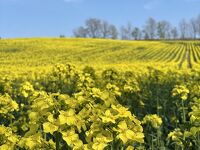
(187, 56)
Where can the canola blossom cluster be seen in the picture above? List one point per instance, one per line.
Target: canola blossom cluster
(154, 120)
(131, 95)
(72, 108)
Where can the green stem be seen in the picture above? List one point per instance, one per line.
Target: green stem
(198, 140)
(11, 121)
(157, 103)
(45, 136)
(152, 147)
(57, 141)
(158, 138)
(184, 119)
(113, 144)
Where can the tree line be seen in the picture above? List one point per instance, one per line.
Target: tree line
(152, 30)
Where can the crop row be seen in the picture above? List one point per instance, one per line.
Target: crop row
(179, 53)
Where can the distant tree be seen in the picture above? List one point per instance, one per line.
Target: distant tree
(183, 26)
(113, 32)
(174, 33)
(129, 29)
(198, 25)
(94, 27)
(194, 27)
(163, 30)
(168, 28)
(105, 29)
(145, 35)
(81, 32)
(150, 28)
(62, 36)
(136, 33)
(109, 30)
(126, 32)
(123, 33)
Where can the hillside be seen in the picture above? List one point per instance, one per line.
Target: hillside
(133, 95)
(43, 52)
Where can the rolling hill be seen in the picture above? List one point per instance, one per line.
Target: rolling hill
(43, 52)
(99, 94)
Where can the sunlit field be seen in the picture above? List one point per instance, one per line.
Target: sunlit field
(96, 94)
(100, 53)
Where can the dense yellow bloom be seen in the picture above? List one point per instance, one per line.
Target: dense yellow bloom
(70, 106)
(181, 91)
(154, 120)
(7, 105)
(8, 138)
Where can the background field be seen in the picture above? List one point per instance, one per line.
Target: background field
(33, 53)
(99, 94)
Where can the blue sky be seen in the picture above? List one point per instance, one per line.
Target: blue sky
(50, 18)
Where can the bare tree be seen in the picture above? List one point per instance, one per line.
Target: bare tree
(113, 32)
(198, 25)
(123, 33)
(105, 29)
(168, 28)
(129, 29)
(136, 33)
(126, 32)
(94, 27)
(109, 30)
(150, 28)
(194, 27)
(81, 32)
(163, 30)
(183, 26)
(145, 35)
(174, 33)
